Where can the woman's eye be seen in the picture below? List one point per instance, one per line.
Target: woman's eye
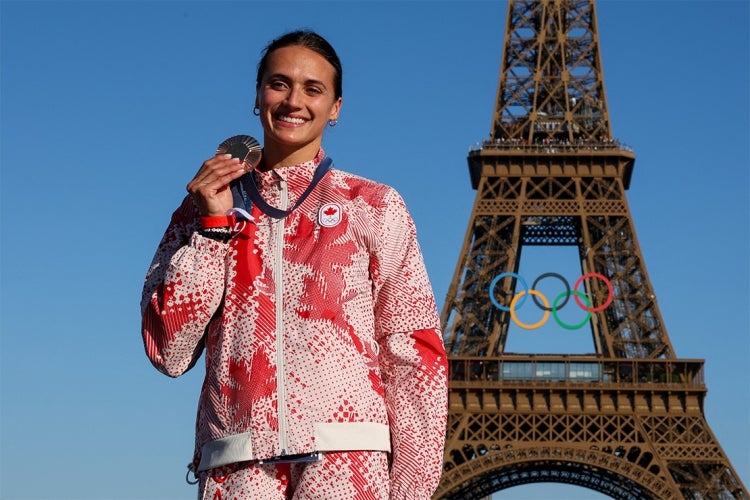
(314, 90)
(278, 85)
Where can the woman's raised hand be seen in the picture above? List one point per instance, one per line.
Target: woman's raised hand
(210, 186)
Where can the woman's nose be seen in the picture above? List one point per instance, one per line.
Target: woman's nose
(294, 97)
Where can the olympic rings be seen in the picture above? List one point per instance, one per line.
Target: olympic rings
(557, 304)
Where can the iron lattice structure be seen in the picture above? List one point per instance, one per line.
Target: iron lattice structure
(627, 420)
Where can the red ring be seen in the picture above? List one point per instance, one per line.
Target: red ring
(609, 289)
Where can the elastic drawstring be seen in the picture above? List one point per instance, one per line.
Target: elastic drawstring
(191, 468)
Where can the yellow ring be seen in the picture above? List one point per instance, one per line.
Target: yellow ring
(513, 309)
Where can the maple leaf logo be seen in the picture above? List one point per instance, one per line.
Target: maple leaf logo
(329, 215)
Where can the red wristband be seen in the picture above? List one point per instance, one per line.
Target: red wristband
(217, 221)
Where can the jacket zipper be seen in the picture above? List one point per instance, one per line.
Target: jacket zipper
(280, 365)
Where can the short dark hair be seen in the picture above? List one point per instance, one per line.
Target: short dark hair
(310, 40)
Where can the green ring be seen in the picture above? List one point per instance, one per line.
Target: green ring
(565, 325)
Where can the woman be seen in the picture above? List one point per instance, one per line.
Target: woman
(325, 368)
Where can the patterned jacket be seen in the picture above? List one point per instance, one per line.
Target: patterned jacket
(320, 330)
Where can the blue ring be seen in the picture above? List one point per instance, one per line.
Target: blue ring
(494, 283)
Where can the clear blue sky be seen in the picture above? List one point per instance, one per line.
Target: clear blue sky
(109, 108)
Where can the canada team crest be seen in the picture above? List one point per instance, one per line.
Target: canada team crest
(329, 215)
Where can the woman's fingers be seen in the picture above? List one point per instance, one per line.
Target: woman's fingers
(210, 186)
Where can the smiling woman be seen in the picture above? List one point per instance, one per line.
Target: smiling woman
(295, 107)
(298, 94)
(306, 288)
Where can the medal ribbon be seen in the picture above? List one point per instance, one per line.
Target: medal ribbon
(252, 190)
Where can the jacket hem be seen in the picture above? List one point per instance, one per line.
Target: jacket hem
(345, 436)
(226, 450)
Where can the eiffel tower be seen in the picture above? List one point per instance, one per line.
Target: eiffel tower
(627, 420)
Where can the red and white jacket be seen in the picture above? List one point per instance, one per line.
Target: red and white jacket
(320, 330)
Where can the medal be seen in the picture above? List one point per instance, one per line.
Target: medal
(244, 147)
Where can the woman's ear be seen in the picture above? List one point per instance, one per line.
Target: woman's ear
(336, 109)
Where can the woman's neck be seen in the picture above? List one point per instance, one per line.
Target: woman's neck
(275, 157)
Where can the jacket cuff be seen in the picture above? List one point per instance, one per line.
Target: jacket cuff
(208, 222)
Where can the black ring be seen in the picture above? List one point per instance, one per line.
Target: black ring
(551, 275)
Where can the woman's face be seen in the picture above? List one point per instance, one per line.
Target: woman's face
(296, 99)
